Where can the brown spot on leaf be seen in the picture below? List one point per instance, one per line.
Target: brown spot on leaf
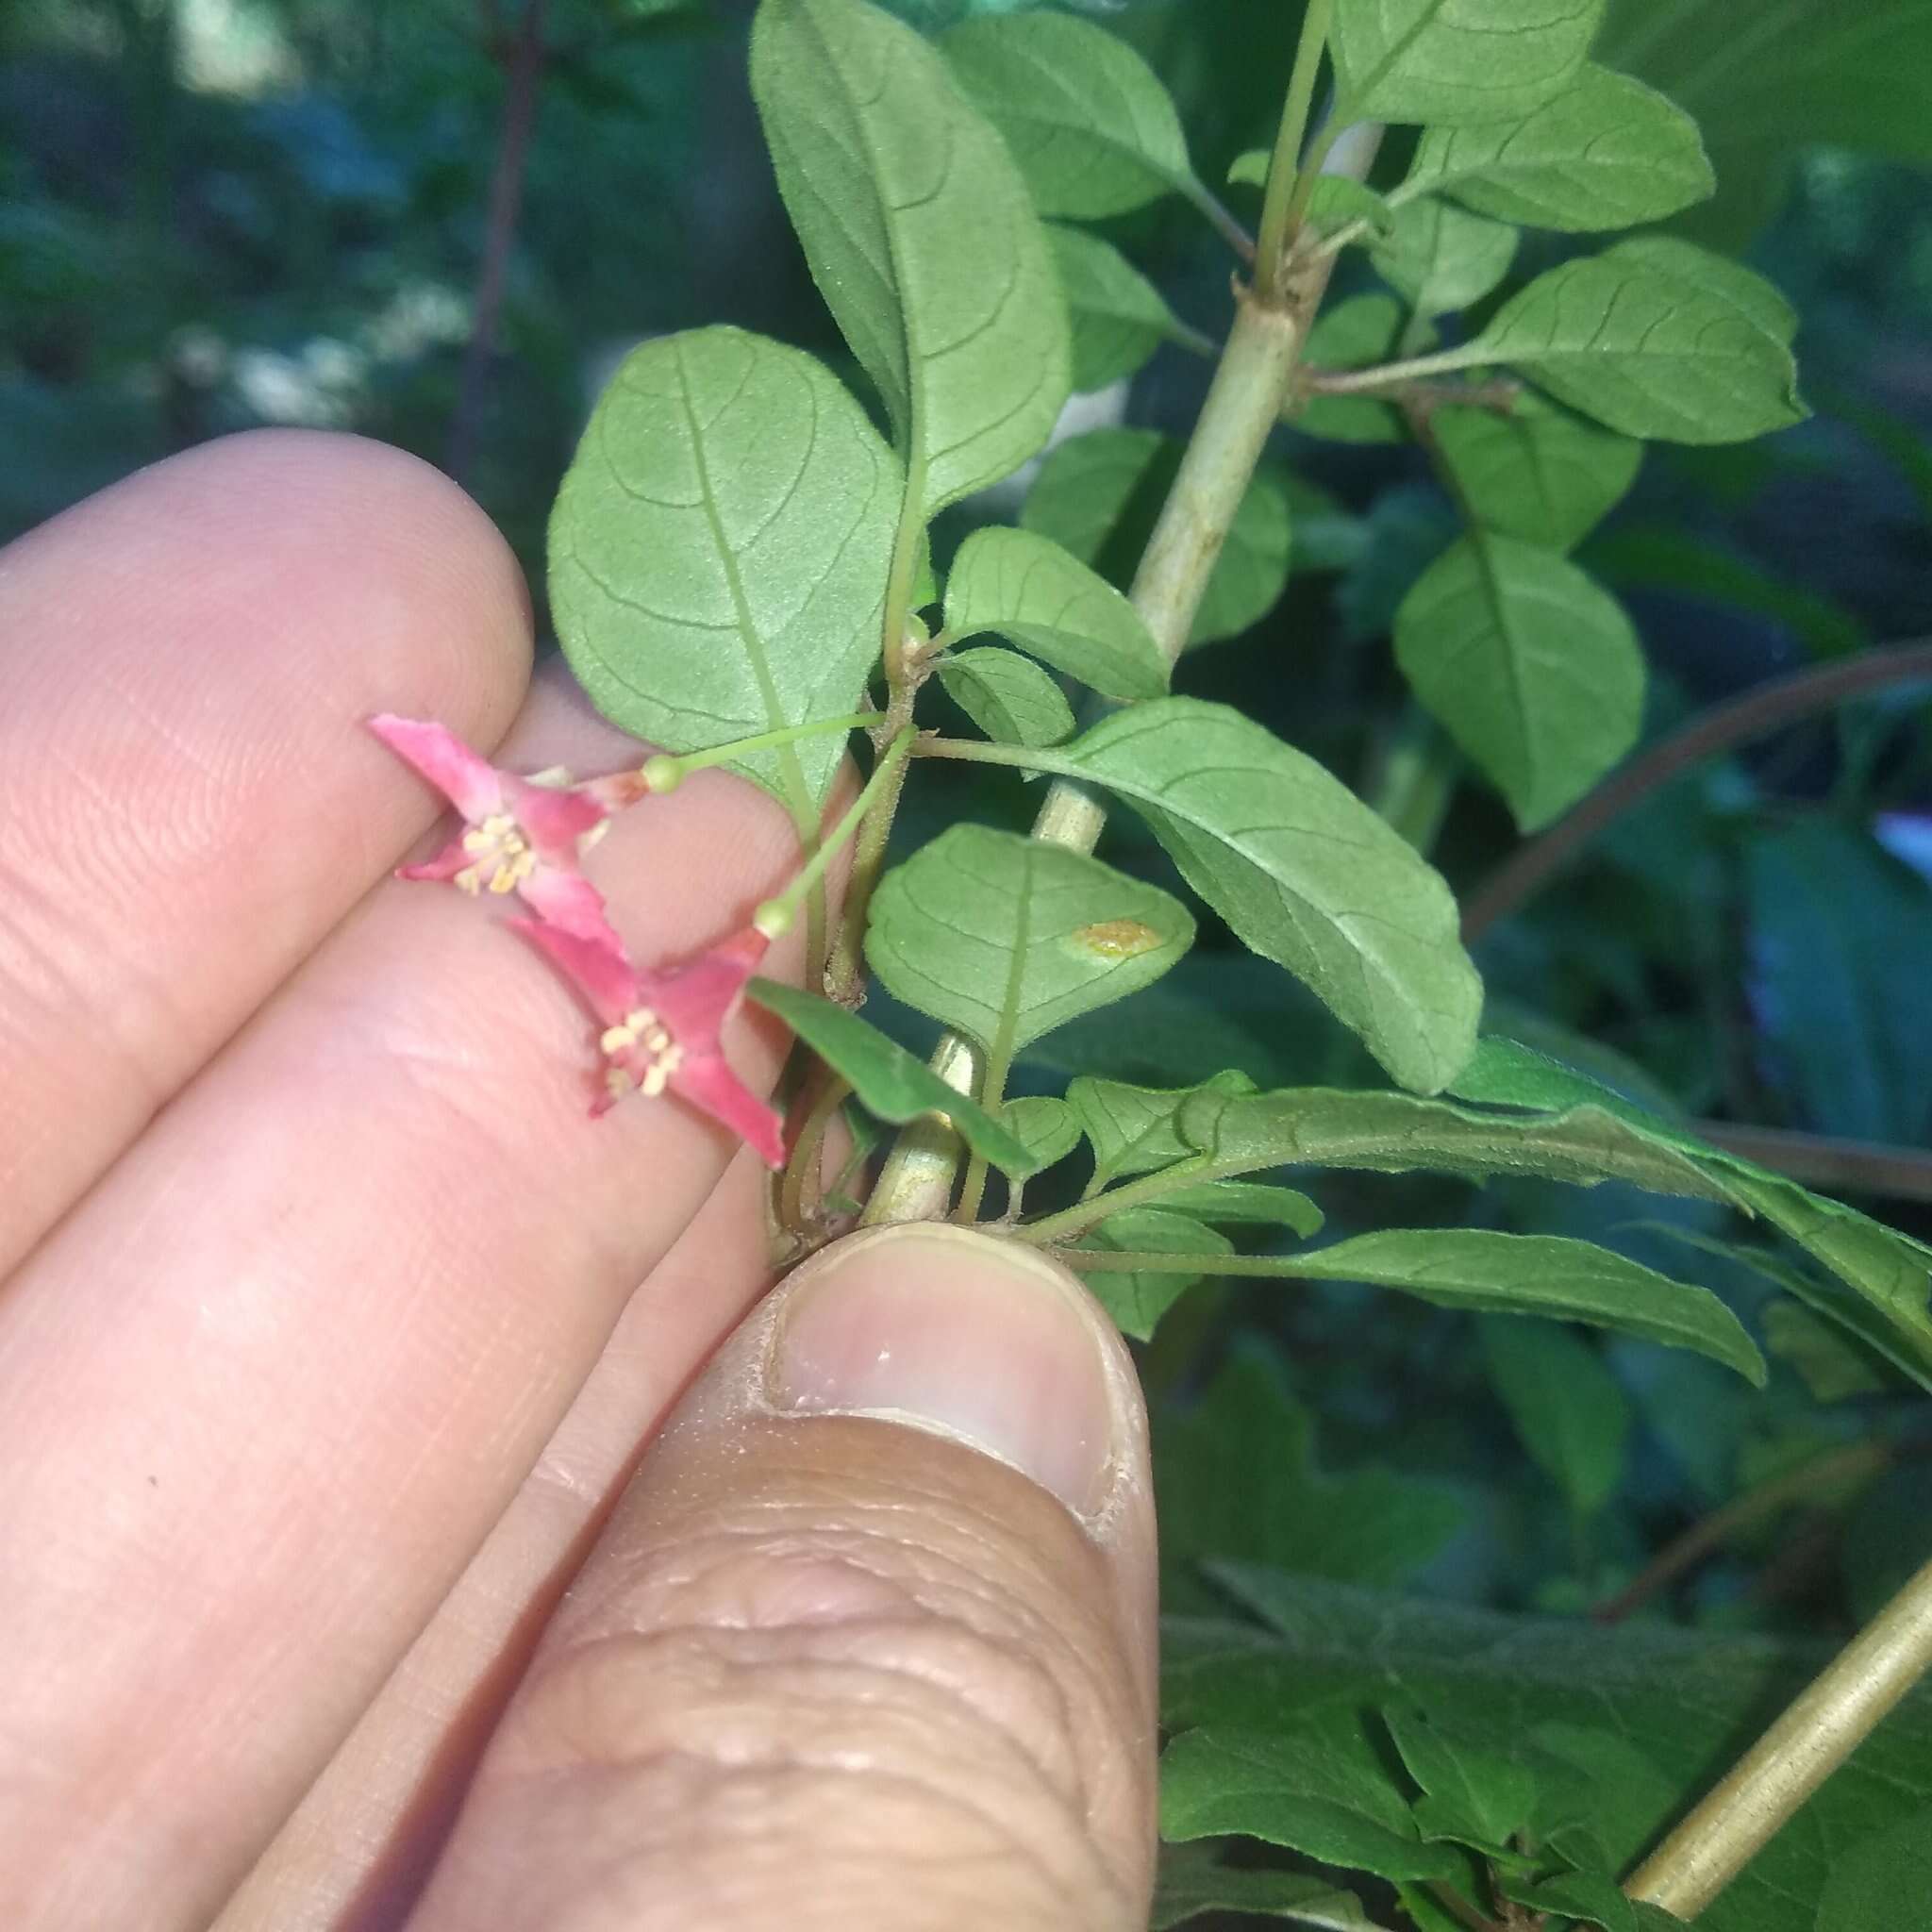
(1117, 938)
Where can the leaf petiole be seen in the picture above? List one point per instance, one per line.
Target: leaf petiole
(777, 914)
(667, 771)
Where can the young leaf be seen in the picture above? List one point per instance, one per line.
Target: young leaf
(1647, 350)
(1591, 1896)
(1472, 1793)
(1318, 1787)
(1091, 128)
(1539, 1275)
(1247, 1204)
(719, 548)
(1339, 201)
(1442, 257)
(885, 1078)
(1037, 595)
(1447, 61)
(1606, 153)
(1192, 1881)
(921, 237)
(1133, 1128)
(1137, 1300)
(1098, 494)
(1533, 667)
(1305, 873)
(1355, 333)
(1012, 700)
(1049, 1129)
(1569, 1410)
(1116, 314)
(1538, 472)
(1002, 937)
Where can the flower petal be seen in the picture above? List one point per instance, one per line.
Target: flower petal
(465, 778)
(570, 902)
(553, 820)
(598, 969)
(456, 856)
(711, 1087)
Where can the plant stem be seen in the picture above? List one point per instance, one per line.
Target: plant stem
(777, 914)
(1271, 248)
(666, 771)
(1218, 216)
(992, 1091)
(798, 1188)
(1415, 779)
(1071, 1222)
(1814, 1736)
(1846, 1465)
(1348, 382)
(1859, 1167)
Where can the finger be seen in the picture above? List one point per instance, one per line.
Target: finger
(868, 1642)
(358, 1847)
(187, 801)
(262, 1396)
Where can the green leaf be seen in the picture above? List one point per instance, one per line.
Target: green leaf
(1340, 202)
(1355, 333)
(921, 237)
(1303, 872)
(1012, 700)
(1237, 1475)
(1473, 1794)
(1318, 1787)
(1117, 315)
(1190, 1882)
(1137, 1299)
(1568, 1408)
(1760, 302)
(1539, 1275)
(1591, 1896)
(1534, 669)
(1606, 153)
(1450, 61)
(1133, 1128)
(1037, 595)
(1832, 1368)
(1247, 1204)
(1868, 1885)
(1688, 1702)
(1442, 257)
(888, 1081)
(1002, 937)
(1091, 127)
(1049, 1129)
(719, 548)
(1098, 494)
(1646, 351)
(1538, 472)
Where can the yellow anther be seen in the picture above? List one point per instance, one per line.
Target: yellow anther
(639, 1037)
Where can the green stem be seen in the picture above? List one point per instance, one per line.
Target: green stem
(1288, 1267)
(844, 970)
(899, 578)
(1277, 231)
(798, 1190)
(1815, 1735)
(666, 771)
(1348, 382)
(1201, 197)
(973, 1189)
(1072, 1223)
(1415, 779)
(777, 914)
(1311, 171)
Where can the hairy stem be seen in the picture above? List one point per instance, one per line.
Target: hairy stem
(1815, 1735)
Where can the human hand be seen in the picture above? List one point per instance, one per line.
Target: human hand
(325, 1361)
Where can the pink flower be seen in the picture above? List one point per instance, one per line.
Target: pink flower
(523, 837)
(661, 1029)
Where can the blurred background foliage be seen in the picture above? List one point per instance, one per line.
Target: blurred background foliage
(220, 213)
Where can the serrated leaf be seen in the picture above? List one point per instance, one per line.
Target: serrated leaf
(1318, 1787)
(1049, 1129)
(1607, 152)
(1473, 1793)
(1137, 1299)
(1539, 1275)
(1537, 471)
(1569, 1410)
(1116, 314)
(1534, 669)
(1237, 1475)
(1442, 257)
(1039, 596)
(1649, 351)
(1097, 496)
(718, 552)
(1089, 121)
(1012, 700)
(921, 236)
(1192, 1881)
(1247, 1204)
(1305, 873)
(1133, 1128)
(1449, 61)
(1002, 937)
(885, 1078)
(1357, 332)
(1687, 1701)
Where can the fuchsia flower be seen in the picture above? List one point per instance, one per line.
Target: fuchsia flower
(662, 1028)
(523, 837)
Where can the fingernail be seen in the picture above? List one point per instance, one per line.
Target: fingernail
(966, 1336)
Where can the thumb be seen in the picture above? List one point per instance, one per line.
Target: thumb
(867, 1643)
